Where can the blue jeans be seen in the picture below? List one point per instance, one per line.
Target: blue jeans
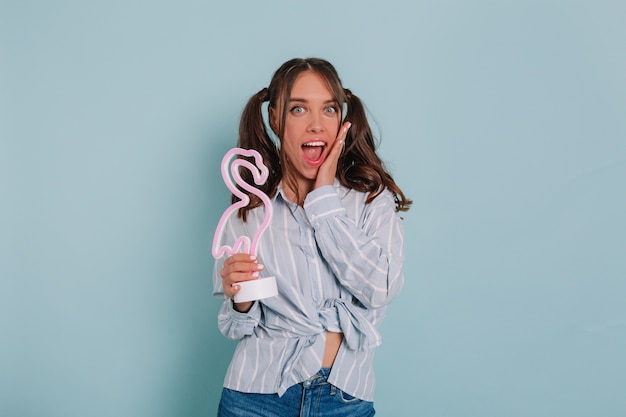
(314, 397)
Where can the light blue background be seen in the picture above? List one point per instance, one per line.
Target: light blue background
(503, 120)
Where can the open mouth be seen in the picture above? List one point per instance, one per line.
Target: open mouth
(313, 151)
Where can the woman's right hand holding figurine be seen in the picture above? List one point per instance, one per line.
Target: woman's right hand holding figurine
(239, 267)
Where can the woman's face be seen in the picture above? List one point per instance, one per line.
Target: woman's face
(311, 126)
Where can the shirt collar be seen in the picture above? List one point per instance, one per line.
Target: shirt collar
(281, 191)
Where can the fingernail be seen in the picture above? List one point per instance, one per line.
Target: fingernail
(252, 258)
(255, 274)
(235, 287)
(260, 266)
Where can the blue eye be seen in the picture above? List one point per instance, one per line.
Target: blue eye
(331, 109)
(297, 109)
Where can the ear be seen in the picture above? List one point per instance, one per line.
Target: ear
(274, 120)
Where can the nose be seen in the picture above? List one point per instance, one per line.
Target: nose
(315, 123)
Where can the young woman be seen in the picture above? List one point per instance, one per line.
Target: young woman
(335, 246)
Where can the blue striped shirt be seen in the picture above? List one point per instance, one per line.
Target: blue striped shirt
(337, 263)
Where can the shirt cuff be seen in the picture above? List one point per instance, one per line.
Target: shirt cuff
(251, 316)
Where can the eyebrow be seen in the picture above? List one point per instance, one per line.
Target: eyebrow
(303, 100)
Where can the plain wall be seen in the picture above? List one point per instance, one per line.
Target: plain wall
(504, 121)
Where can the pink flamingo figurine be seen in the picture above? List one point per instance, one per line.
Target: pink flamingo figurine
(260, 174)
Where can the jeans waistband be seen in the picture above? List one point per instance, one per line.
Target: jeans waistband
(319, 378)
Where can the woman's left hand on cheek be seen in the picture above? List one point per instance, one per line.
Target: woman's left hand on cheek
(328, 170)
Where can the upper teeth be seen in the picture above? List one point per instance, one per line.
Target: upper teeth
(314, 144)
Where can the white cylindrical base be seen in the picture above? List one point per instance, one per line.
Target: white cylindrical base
(256, 289)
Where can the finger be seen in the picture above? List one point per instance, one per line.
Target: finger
(343, 132)
(233, 290)
(240, 257)
(231, 283)
(340, 142)
(341, 137)
(241, 267)
(239, 263)
(239, 277)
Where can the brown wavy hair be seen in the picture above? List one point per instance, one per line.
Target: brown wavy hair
(359, 167)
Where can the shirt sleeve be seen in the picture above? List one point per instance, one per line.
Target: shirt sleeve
(233, 324)
(365, 254)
